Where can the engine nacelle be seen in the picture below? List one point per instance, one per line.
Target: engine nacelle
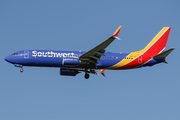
(68, 61)
(68, 72)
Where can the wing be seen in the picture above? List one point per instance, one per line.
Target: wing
(95, 54)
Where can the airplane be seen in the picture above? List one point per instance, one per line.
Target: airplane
(73, 62)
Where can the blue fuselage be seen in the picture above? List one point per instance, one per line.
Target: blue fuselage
(69, 59)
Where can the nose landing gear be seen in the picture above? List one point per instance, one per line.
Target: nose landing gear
(18, 65)
(21, 70)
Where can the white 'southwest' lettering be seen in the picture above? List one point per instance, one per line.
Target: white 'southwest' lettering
(52, 54)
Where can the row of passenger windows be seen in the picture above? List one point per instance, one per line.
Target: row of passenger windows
(66, 55)
(80, 55)
(101, 57)
(117, 57)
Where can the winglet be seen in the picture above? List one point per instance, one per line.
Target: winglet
(117, 32)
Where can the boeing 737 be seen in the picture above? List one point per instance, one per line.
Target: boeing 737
(73, 62)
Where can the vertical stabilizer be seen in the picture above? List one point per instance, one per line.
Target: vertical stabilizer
(158, 43)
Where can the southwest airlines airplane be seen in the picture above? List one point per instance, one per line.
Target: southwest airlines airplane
(73, 62)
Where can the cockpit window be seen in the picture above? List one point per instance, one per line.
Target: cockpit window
(15, 54)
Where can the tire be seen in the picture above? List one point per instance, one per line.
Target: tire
(86, 76)
(21, 70)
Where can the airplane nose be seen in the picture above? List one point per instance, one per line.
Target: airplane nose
(8, 59)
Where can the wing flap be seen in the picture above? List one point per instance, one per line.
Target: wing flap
(94, 57)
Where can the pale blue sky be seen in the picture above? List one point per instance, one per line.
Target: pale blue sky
(41, 93)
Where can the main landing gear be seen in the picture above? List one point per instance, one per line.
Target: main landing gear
(86, 75)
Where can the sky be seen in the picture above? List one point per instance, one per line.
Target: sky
(41, 93)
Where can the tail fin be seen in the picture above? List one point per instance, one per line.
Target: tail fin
(158, 43)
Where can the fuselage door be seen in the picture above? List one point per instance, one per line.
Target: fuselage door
(26, 54)
(140, 59)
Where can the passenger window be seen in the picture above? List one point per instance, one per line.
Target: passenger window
(15, 54)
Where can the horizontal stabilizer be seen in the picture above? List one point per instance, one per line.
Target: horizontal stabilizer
(164, 54)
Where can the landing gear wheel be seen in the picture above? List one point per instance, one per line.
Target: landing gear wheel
(86, 75)
(21, 70)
